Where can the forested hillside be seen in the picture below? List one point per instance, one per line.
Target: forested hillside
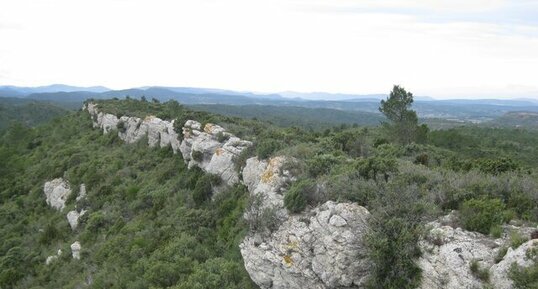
(153, 223)
(27, 112)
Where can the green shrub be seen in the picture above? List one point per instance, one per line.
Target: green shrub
(321, 164)
(296, 197)
(480, 273)
(524, 278)
(266, 147)
(517, 239)
(496, 166)
(500, 255)
(197, 156)
(481, 215)
(121, 126)
(392, 241)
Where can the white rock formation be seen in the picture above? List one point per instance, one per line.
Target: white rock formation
(519, 256)
(267, 180)
(57, 191)
(53, 258)
(81, 193)
(159, 132)
(447, 254)
(75, 250)
(322, 248)
(207, 151)
(73, 216)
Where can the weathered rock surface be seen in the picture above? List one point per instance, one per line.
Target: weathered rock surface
(213, 150)
(319, 249)
(57, 191)
(72, 218)
(75, 250)
(267, 180)
(81, 193)
(520, 256)
(131, 129)
(448, 253)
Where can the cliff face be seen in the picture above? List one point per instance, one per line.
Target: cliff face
(322, 247)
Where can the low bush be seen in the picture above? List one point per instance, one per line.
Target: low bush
(481, 215)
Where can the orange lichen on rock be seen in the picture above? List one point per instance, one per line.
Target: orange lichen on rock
(208, 128)
(219, 151)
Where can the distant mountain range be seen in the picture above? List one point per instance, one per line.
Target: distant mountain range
(466, 110)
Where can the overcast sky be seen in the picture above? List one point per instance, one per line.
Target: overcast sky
(440, 48)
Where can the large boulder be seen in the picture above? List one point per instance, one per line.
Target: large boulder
(56, 192)
(72, 218)
(322, 248)
(75, 250)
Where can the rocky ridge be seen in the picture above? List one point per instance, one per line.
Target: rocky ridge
(322, 247)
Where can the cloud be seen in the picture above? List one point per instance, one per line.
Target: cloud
(501, 12)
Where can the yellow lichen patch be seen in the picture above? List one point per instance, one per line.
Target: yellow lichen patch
(219, 151)
(288, 260)
(149, 118)
(208, 128)
(293, 245)
(270, 171)
(267, 175)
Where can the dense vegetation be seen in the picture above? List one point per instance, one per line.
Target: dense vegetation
(151, 223)
(287, 116)
(145, 227)
(28, 112)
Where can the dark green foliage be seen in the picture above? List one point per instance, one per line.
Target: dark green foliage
(267, 147)
(142, 228)
(27, 112)
(373, 167)
(403, 122)
(320, 164)
(121, 126)
(482, 214)
(395, 229)
(496, 166)
(204, 188)
(197, 156)
(297, 196)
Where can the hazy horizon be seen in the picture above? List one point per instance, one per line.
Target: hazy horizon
(450, 49)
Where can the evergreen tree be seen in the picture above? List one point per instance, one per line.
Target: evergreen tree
(402, 121)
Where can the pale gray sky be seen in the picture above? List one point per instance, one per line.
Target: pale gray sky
(441, 48)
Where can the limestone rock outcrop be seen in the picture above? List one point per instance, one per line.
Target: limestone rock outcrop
(520, 256)
(72, 218)
(81, 193)
(212, 149)
(267, 181)
(56, 192)
(131, 129)
(75, 250)
(322, 248)
(447, 254)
